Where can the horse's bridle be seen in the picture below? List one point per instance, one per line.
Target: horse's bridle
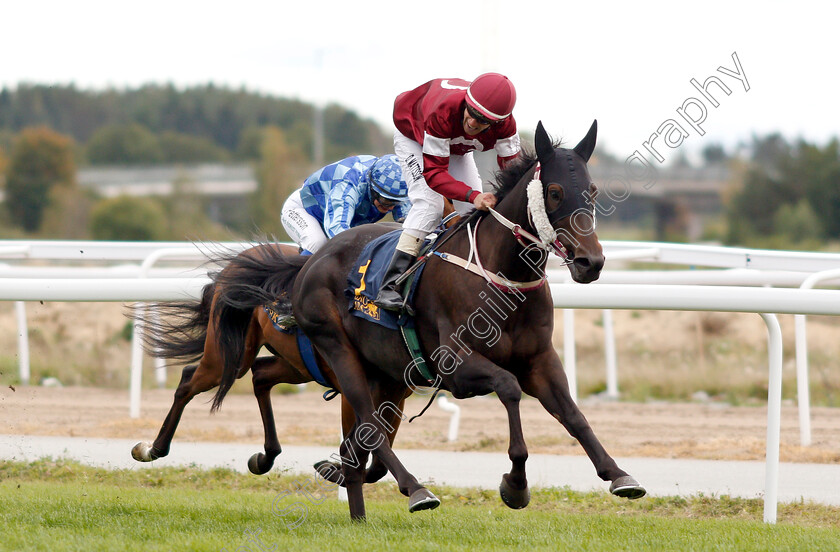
(547, 240)
(537, 217)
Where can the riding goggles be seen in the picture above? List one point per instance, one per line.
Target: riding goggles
(479, 118)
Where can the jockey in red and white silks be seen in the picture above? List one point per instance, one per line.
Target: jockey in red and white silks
(439, 126)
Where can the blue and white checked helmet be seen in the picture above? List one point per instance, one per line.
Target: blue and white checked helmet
(386, 178)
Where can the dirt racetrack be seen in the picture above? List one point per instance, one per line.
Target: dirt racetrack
(706, 431)
(80, 342)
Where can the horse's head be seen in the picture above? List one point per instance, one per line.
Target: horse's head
(569, 196)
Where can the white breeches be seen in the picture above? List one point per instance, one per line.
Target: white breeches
(303, 228)
(426, 204)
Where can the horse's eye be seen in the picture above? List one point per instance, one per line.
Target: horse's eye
(553, 197)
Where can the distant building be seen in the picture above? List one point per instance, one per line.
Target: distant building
(224, 188)
(682, 199)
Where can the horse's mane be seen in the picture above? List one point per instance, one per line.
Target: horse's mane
(508, 178)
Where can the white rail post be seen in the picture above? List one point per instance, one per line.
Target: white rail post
(342, 491)
(160, 363)
(136, 379)
(609, 354)
(610, 358)
(774, 416)
(20, 314)
(803, 391)
(454, 419)
(160, 372)
(23, 342)
(569, 357)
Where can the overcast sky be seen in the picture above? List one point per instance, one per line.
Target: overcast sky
(628, 64)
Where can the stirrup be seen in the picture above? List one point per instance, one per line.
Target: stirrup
(389, 299)
(399, 306)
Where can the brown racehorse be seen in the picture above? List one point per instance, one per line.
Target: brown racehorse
(189, 332)
(482, 330)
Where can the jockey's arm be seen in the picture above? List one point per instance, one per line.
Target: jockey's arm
(443, 183)
(401, 211)
(341, 206)
(436, 173)
(436, 154)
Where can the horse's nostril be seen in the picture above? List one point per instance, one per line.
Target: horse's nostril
(582, 263)
(589, 264)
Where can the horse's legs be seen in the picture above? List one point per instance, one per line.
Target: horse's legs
(514, 486)
(353, 460)
(194, 380)
(268, 372)
(477, 375)
(365, 436)
(392, 418)
(331, 471)
(547, 382)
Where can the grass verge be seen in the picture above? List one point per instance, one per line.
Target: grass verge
(59, 505)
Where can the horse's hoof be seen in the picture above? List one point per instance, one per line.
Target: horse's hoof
(258, 465)
(330, 471)
(513, 497)
(422, 499)
(142, 452)
(627, 487)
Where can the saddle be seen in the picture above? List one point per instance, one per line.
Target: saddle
(366, 278)
(363, 284)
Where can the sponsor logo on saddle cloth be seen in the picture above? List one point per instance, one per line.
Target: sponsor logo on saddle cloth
(364, 305)
(365, 279)
(285, 323)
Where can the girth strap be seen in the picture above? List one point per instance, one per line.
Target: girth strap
(412, 343)
(307, 353)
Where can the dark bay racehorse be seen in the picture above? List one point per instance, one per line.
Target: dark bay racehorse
(226, 341)
(482, 330)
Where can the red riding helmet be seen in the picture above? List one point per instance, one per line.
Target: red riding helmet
(492, 95)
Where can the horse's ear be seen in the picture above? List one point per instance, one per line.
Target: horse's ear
(542, 143)
(587, 145)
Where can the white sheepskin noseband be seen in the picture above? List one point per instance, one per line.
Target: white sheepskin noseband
(536, 210)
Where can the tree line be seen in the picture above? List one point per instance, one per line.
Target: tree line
(163, 124)
(47, 132)
(785, 195)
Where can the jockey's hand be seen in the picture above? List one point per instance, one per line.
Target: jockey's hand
(484, 201)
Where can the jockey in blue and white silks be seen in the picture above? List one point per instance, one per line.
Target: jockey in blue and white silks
(354, 191)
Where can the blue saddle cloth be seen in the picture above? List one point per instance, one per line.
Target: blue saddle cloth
(365, 279)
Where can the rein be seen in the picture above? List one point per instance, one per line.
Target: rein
(538, 218)
(433, 251)
(494, 280)
(546, 241)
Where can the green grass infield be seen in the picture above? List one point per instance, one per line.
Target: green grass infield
(62, 506)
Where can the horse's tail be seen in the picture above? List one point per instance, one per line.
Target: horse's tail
(259, 276)
(176, 330)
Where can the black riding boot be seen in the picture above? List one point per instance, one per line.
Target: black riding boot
(389, 297)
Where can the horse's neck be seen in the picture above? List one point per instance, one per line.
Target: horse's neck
(499, 249)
